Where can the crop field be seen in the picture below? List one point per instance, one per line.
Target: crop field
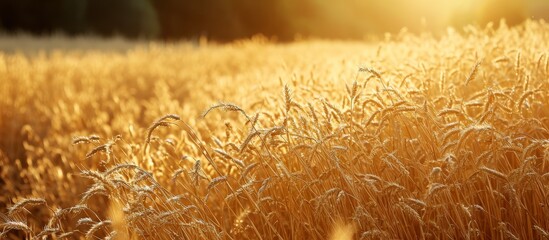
(410, 136)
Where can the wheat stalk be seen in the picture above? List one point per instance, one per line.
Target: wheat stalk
(473, 73)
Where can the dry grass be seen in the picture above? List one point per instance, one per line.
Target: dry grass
(409, 138)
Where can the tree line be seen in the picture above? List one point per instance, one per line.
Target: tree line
(214, 19)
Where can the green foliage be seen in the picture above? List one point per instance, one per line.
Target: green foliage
(133, 18)
(71, 16)
(210, 18)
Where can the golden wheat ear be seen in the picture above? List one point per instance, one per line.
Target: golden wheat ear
(229, 107)
(161, 122)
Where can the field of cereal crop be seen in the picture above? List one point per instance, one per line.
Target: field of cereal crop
(408, 137)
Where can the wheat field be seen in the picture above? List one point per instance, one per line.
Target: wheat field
(411, 136)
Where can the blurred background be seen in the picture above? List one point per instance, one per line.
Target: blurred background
(225, 20)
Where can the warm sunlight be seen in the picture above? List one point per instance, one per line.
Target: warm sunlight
(425, 15)
(274, 119)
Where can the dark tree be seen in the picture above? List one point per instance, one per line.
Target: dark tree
(132, 18)
(193, 18)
